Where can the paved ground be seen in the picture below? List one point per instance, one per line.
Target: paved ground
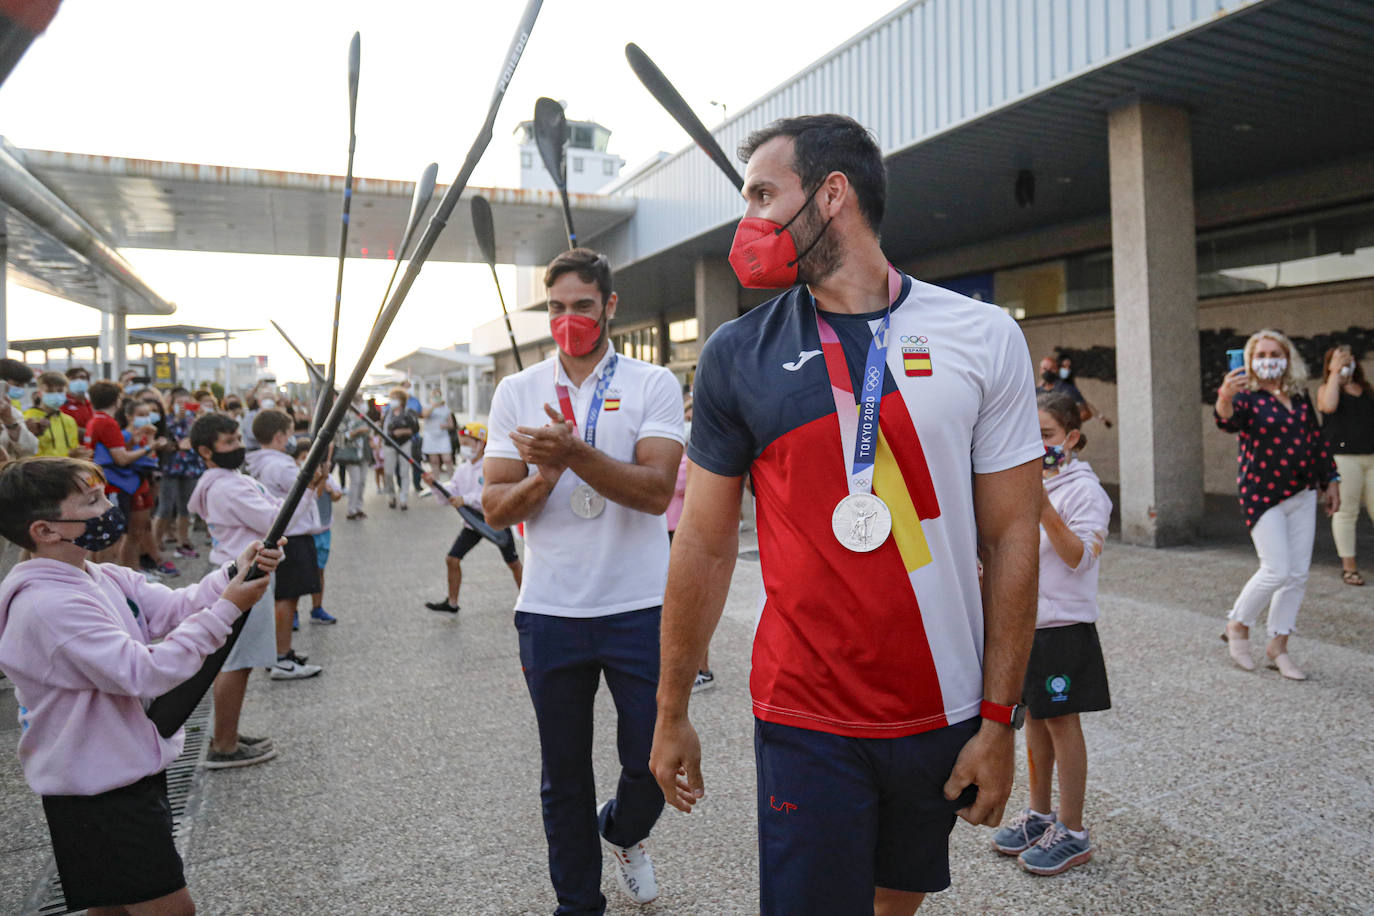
(408, 776)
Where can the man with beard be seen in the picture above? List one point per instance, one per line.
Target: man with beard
(603, 436)
(890, 433)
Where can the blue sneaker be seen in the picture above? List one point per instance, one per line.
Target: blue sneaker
(320, 615)
(1020, 833)
(1057, 851)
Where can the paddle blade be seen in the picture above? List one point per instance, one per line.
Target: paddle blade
(424, 192)
(551, 136)
(673, 102)
(354, 59)
(484, 229)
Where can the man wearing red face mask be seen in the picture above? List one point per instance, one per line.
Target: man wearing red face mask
(584, 449)
(890, 432)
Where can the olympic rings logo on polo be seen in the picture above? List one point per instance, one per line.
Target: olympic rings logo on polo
(875, 378)
(914, 339)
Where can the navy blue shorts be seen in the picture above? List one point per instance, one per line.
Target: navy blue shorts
(841, 816)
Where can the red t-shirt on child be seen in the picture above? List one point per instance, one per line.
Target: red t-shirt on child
(104, 430)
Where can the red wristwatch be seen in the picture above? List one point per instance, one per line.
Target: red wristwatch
(1014, 715)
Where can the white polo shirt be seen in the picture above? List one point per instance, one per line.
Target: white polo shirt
(618, 561)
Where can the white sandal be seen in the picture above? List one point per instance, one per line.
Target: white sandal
(1285, 666)
(1239, 648)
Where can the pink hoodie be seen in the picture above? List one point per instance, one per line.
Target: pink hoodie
(277, 472)
(76, 645)
(1067, 595)
(237, 509)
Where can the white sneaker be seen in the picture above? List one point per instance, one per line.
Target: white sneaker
(704, 681)
(634, 869)
(289, 670)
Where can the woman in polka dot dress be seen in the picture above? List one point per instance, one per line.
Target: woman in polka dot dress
(1283, 464)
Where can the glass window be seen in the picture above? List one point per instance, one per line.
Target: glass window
(641, 343)
(1337, 245)
(683, 331)
(526, 160)
(1293, 251)
(577, 163)
(607, 167)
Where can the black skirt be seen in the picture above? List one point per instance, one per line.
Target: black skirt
(299, 571)
(1066, 673)
(115, 848)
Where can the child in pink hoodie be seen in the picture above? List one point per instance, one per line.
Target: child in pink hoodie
(76, 638)
(299, 574)
(1066, 674)
(236, 510)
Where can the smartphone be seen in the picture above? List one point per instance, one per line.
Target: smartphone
(1235, 359)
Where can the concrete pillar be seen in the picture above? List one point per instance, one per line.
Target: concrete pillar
(226, 381)
(1154, 263)
(119, 343)
(472, 394)
(717, 295)
(665, 347)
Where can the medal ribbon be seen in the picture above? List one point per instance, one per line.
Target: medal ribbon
(598, 397)
(859, 420)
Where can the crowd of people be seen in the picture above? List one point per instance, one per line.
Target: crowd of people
(930, 537)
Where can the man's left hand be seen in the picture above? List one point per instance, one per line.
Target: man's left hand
(987, 761)
(551, 446)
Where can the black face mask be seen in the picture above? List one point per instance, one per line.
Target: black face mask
(1050, 377)
(231, 460)
(101, 531)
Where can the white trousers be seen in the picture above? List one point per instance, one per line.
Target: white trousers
(395, 463)
(355, 475)
(1283, 539)
(1357, 485)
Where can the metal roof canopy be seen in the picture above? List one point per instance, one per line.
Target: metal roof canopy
(55, 250)
(189, 207)
(1271, 88)
(428, 361)
(169, 334)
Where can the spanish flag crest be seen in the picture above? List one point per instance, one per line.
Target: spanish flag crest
(916, 361)
(612, 401)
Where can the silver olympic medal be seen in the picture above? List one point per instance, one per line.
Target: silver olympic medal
(861, 522)
(586, 502)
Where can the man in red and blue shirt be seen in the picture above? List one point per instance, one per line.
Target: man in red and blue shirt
(890, 433)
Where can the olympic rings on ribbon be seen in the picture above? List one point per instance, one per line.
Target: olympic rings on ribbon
(914, 339)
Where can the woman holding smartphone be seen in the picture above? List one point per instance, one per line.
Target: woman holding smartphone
(1348, 403)
(1283, 464)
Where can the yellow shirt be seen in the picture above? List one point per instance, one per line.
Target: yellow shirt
(60, 437)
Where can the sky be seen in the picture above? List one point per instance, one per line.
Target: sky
(263, 84)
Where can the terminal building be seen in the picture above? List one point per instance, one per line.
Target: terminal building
(1141, 183)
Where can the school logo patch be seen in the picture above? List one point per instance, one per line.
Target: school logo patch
(1057, 685)
(916, 356)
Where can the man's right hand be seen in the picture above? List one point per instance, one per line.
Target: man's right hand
(676, 763)
(244, 594)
